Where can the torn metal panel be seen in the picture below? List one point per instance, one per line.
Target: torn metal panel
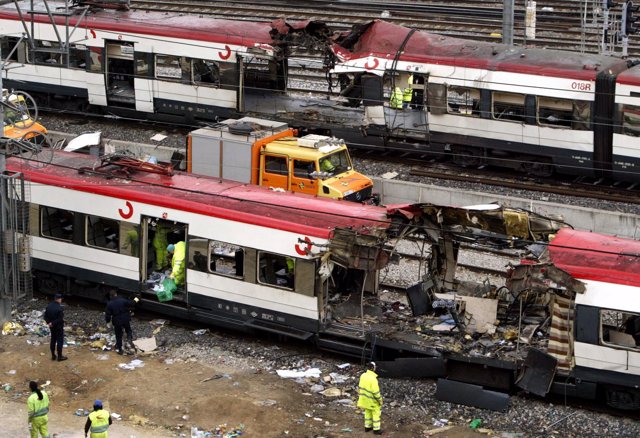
(419, 298)
(471, 395)
(541, 277)
(485, 371)
(491, 223)
(538, 370)
(356, 250)
(423, 367)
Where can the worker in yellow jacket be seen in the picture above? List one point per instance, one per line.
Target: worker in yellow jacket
(38, 410)
(395, 101)
(179, 253)
(370, 400)
(98, 421)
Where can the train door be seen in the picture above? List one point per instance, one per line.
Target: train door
(157, 262)
(119, 74)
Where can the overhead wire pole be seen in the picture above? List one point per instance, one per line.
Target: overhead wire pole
(507, 21)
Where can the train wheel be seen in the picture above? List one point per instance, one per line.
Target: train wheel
(467, 158)
(536, 168)
(619, 397)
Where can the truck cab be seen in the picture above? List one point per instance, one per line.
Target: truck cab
(271, 154)
(313, 164)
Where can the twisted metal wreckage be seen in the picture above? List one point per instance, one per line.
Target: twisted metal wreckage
(521, 334)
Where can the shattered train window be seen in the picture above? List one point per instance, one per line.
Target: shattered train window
(620, 328)
(275, 269)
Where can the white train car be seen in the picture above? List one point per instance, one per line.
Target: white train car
(605, 315)
(151, 63)
(534, 110)
(252, 253)
(626, 136)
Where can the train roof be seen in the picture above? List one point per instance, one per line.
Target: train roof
(167, 24)
(383, 40)
(305, 214)
(592, 256)
(630, 77)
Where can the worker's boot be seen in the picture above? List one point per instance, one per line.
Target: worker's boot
(377, 432)
(53, 356)
(368, 429)
(61, 358)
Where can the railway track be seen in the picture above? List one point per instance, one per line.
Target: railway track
(596, 189)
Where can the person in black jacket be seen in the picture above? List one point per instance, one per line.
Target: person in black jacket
(118, 312)
(54, 317)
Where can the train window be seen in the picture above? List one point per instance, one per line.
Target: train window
(464, 101)
(56, 223)
(631, 120)
(206, 72)
(224, 259)
(555, 112)
(47, 52)
(173, 67)
(78, 56)
(7, 44)
(130, 244)
(102, 233)
(95, 59)
(508, 106)
(620, 328)
(276, 164)
(276, 270)
(141, 63)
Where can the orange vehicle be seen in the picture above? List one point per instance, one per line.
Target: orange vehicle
(271, 154)
(19, 123)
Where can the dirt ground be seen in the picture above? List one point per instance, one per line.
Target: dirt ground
(166, 400)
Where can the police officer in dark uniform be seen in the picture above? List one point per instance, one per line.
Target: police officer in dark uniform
(54, 317)
(119, 313)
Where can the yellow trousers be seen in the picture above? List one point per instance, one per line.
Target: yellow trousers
(372, 418)
(40, 425)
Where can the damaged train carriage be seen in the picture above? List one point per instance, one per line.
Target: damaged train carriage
(566, 321)
(310, 268)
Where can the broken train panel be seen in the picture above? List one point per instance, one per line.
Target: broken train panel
(567, 319)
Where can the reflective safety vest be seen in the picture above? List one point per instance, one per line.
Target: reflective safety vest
(99, 423)
(407, 95)
(368, 391)
(396, 98)
(36, 407)
(177, 262)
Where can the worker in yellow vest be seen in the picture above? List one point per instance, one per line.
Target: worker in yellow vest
(370, 400)
(38, 411)
(178, 253)
(98, 422)
(396, 98)
(407, 93)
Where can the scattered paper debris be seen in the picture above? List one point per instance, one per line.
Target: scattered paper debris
(146, 344)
